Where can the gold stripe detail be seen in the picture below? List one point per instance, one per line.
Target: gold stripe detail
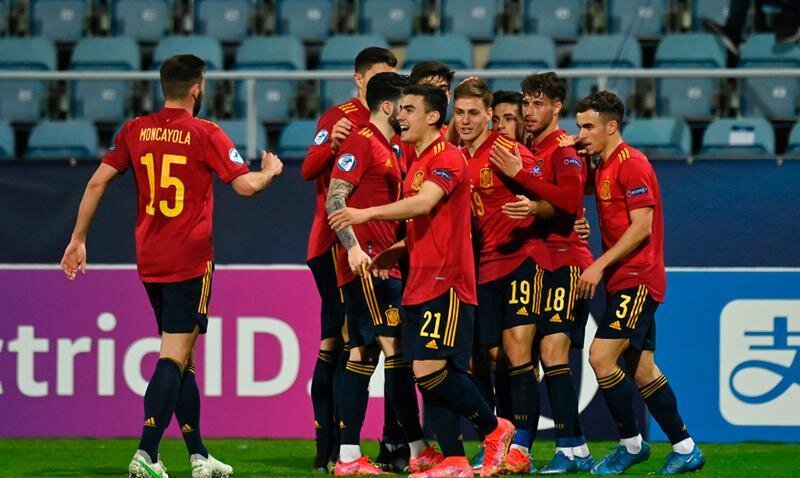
(452, 319)
(611, 380)
(334, 256)
(653, 386)
(369, 296)
(557, 371)
(359, 371)
(514, 373)
(641, 295)
(538, 280)
(202, 307)
(435, 381)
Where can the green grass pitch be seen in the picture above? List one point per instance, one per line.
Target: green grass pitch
(290, 458)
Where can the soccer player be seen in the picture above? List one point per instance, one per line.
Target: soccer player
(507, 114)
(332, 128)
(435, 74)
(632, 264)
(367, 172)
(440, 295)
(510, 252)
(560, 313)
(173, 156)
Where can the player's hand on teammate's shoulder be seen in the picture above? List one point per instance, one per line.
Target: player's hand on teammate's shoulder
(341, 129)
(271, 163)
(74, 259)
(507, 162)
(359, 260)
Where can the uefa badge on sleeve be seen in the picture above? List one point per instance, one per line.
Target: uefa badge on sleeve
(321, 137)
(346, 162)
(234, 156)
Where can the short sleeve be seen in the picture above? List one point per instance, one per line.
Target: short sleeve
(447, 170)
(637, 180)
(223, 157)
(118, 155)
(567, 163)
(352, 159)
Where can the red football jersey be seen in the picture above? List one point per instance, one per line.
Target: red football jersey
(564, 169)
(172, 155)
(318, 165)
(624, 182)
(366, 160)
(504, 242)
(440, 243)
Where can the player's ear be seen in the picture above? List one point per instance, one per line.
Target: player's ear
(557, 108)
(359, 80)
(387, 107)
(433, 117)
(612, 127)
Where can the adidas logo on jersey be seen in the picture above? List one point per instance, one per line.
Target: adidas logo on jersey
(432, 345)
(556, 319)
(615, 325)
(522, 311)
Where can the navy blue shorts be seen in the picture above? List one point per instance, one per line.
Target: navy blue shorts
(505, 303)
(441, 328)
(323, 268)
(373, 309)
(557, 307)
(181, 306)
(630, 314)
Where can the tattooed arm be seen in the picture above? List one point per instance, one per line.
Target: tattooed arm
(338, 192)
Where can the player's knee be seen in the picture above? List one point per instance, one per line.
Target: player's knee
(329, 345)
(602, 362)
(646, 372)
(553, 351)
(422, 368)
(518, 353)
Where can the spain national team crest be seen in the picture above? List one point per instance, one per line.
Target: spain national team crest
(605, 190)
(486, 178)
(393, 317)
(417, 183)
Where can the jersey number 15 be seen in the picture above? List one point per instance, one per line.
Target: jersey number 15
(167, 181)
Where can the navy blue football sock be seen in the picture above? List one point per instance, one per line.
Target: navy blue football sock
(525, 403)
(564, 404)
(457, 390)
(187, 411)
(663, 405)
(443, 420)
(322, 401)
(402, 398)
(353, 400)
(341, 364)
(502, 391)
(618, 392)
(160, 400)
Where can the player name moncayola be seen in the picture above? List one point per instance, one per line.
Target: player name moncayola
(170, 135)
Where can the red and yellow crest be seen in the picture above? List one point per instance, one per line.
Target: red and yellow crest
(419, 176)
(393, 317)
(486, 178)
(605, 190)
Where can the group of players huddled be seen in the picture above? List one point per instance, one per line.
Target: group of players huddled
(459, 251)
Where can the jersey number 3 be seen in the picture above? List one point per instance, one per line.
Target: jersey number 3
(167, 181)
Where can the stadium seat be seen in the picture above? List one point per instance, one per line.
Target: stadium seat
(143, 20)
(274, 98)
(225, 20)
(639, 18)
(776, 97)
(747, 138)
(688, 97)
(453, 50)
(59, 20)
(295, 139)
(338, 53)
(237, 132)
(558, 19)
(660, 137)
(305, 19)
(605, 51)
(532, 52)
(394, 19)
(205, 47)
(7, 141)
(22, 100)
(476, 19)
(62, 139)
(793, 148)
(105, 100)
(716, 10)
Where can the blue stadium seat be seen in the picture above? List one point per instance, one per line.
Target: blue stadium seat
(305, 19)
(105, 100)
(205, 47)
(60, 20)
(716, 10)
(22, 100)
(475, 19)
(338, 53)
(62, 139)
(225, 20)
(639, 18)
(559, 19)
(453, 50)
(688, 97)
(605, 51)
(774, 98)
(739, 138)
(295, 139)
(793, 148)
(533, 52)
(660, 137)
(237, 132)
(7, 141)
(274, 98)
(143, 20)
(394, 19)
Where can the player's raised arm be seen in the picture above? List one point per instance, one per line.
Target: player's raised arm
(254, 182)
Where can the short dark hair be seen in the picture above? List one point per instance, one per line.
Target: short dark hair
(374, 55)
(604, 102)
(382, 87)
(506, 96)
(548, 84)
(474, 88)
(433, 98)
(179, 73)
(432, 69)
